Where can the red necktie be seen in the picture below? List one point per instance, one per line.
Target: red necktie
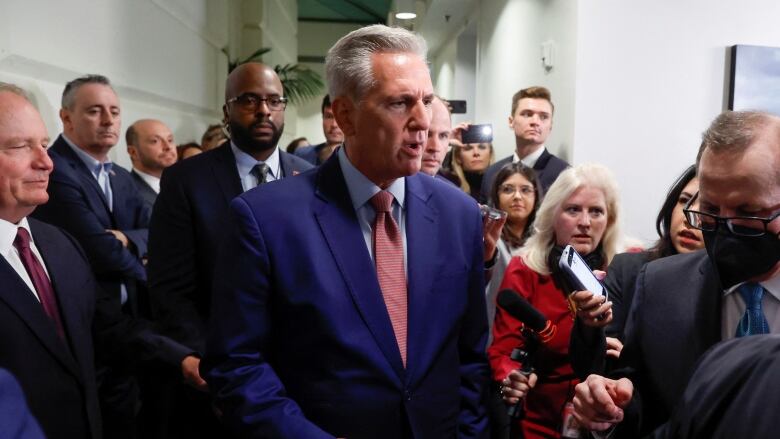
(39, 279)
(389, 257)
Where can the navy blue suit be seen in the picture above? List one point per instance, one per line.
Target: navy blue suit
(77, 204)
(58, 378)
(300, 342)
(188, 224)
(16, 421)
(310, 153)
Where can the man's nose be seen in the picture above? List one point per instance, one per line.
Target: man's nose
(421, 116)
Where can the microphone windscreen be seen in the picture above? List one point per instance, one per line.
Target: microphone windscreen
(519, 308)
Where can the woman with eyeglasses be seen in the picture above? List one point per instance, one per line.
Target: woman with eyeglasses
(581, 210)
(590, 350)
(469, 162)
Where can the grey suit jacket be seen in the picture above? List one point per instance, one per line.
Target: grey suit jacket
(148, 195)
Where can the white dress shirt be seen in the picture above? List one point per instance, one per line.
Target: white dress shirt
(8, 233)
(530, 159)
(151, 180)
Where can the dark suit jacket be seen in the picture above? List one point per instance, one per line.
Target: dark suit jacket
(147, 194)
(547, 168)
(310, 153)
(675, 317)
(188, 224)
(58, 378)
(16, 421)
(300, 342)
(587, 347)
(732, 394)
(77, 204)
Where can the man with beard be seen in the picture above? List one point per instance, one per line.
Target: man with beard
(318, 154)
(685, 304)
(152, 149)
(189, 221)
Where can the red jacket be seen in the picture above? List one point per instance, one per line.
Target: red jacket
(545, 403)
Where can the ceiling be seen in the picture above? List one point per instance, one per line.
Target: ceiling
(344, 11)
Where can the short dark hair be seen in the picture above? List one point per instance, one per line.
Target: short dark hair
(68, 95)
(663, 223)
(535, 92)
(131, 135)
(325, 104)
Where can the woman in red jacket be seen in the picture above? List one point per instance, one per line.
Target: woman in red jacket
(581, 209)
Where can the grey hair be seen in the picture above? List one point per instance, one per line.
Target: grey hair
(734, 130)
(538, 247)
(14, 89)
(69, 94)
(348, 63)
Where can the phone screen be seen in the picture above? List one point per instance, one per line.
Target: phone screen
(573, 263)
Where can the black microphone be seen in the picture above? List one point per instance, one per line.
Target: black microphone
(536, 330)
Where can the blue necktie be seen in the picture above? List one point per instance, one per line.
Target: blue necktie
(753, 322)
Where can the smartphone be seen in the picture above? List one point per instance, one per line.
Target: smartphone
(580, 275)
(457, 107)
(478, 134)
(491, 213)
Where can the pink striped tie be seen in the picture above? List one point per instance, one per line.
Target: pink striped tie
(389, 257)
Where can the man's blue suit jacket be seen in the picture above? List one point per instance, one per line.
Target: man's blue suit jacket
(77, 204)
(16, 421)
(300, 342)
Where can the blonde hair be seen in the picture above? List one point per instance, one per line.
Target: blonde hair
(537, 248)
(457, 166)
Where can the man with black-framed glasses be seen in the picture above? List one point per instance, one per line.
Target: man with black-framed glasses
(188, 220)
(686, 303)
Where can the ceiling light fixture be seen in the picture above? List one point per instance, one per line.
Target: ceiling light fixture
(404, 10)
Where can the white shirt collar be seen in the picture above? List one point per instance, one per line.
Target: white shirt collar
(8, 231)
(530, 159)
(151, 180)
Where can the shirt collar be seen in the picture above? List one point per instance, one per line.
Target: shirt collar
(772, 285)
(151, 180)
(8, 231)
(361, 189)
(530, 159)
(94, 165)
(246, 162)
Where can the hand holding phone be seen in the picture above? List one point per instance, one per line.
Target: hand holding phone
(578, 272)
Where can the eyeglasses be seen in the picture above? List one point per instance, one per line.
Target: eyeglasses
(737, 225)
(250, 102)
(510, 189)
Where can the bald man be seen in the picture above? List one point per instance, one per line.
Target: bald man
(152, 149)
(188, 221)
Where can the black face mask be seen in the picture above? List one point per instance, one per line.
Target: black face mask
(739, 258)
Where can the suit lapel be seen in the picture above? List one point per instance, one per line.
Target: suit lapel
(338, 222)
(708, 318)
(84, 175)
(422, 260)
(226, 172)
(19, 298)
(286, 164)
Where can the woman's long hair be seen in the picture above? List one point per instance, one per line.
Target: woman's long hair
(537, 248)
(503, 175)
(663, 223)
(457, 166)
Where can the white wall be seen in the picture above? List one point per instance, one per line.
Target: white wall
(163, 57)
(651, 75)
(509, 38)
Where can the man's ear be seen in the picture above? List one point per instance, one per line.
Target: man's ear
(132, 151)
(65, 117)
(344, 110)
(511, 120)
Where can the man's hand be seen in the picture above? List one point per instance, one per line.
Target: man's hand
(491, 232)
(516, 386)
(599, 401)
(592, 310)
(614, 346)
(119, 236)
(189, 369)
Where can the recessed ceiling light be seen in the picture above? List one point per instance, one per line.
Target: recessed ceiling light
(405, 15)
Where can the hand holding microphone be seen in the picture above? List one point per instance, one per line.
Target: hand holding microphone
(536, 330)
